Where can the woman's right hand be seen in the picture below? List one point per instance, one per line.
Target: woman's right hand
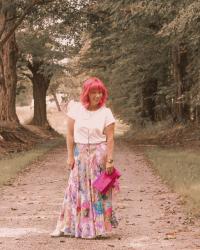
(70, 162)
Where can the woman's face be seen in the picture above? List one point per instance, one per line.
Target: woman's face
(95, 96)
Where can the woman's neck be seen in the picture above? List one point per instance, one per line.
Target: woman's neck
(92, 108)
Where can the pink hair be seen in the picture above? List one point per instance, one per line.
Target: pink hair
(90, 84)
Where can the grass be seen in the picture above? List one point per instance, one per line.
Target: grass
(180, 168)
(15, 163)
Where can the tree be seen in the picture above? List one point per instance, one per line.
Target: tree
(146, 52)
(126, 54)
(42, 48)
(12, 14)
(8, 59)
(9, 54)
(183, 34)
(40, 57)
(45, 43)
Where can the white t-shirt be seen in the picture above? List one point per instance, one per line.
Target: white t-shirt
(89, 125)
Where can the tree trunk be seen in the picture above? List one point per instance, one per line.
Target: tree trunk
(196, 114)
(182, 103)
(56, 100)
(177, 77)
(148, 93)
(40, 87)
(8, 76)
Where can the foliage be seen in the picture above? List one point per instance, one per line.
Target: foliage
(147, 54)
(51, 35)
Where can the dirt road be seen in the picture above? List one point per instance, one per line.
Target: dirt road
(150, 215)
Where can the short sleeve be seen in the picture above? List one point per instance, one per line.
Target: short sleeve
(72, 110)
(109, 117)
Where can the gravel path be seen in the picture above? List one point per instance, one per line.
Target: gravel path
(150, 216)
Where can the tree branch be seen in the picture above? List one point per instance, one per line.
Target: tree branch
(27, 75)
(29, 66)
(20, 20)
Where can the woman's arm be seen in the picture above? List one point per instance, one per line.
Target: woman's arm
(109, 132)
(70, 142)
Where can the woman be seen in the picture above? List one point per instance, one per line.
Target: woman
(85, 212)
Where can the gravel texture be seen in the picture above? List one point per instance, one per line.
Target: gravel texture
(150, 216)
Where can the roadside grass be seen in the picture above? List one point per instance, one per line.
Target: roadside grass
(180, 168)
(11, 165)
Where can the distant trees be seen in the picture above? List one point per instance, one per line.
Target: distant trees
(148, 54)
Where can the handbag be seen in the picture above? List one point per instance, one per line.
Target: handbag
(105, 181)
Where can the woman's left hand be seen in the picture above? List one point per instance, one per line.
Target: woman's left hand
(109, 168)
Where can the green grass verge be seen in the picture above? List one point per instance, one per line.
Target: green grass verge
(180, 168)
(17, 162)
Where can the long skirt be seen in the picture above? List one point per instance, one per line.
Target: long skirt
(85, 212)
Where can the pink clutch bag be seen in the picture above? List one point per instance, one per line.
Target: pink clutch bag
(105, 181)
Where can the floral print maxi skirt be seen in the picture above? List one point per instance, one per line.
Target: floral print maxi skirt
(85, 212)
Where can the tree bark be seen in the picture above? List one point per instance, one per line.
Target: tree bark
(40, 87)
(180, 62)
(178, 114)
(8, 76)
(148, 93)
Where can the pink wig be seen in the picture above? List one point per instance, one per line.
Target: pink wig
(90, 84)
